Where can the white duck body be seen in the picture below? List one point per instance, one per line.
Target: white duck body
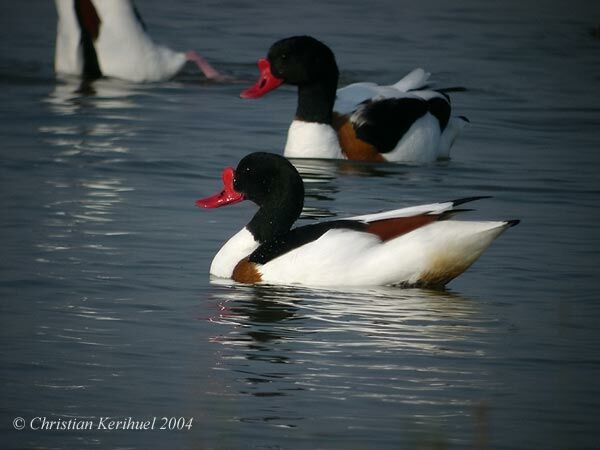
(415, 246)
(430, 255)
(419, 145)
(243, 243)
(422, 143)
(123, 48)
(453, 128)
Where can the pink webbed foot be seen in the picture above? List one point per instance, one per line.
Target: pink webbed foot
(209, 71)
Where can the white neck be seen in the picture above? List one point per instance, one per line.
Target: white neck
(312, 140)
(235, 249)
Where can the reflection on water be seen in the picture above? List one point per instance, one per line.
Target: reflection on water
(94, 203)
(79, 236)
(321, 180)
(324, 171)
(71, 94)
(360, 330)
(88, 126)
(90, 120)
(415, 320)
(393, 348)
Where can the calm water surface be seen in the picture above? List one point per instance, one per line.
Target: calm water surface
(107, 308)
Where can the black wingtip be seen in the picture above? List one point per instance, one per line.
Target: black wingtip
(464, 118)
(451, 89)
(420, 88)
(512, 223)
(453, 212)
(461, 201)
(461, 210)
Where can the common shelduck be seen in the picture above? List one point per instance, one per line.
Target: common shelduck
(415, 246)
(108, 38)
(400, 122)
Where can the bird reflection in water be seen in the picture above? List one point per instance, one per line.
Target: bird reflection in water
(430, 319)
(72, 95)
(416, 349)
(86, 130)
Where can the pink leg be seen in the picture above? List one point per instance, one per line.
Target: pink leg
(208, 70)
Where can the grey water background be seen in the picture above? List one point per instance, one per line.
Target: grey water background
(106, 304)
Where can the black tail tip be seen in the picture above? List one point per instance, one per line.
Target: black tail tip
(512, 223)
(460, 201)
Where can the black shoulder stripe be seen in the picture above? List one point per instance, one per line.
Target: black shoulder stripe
(440, 108)
(299, 236)
(382, 123)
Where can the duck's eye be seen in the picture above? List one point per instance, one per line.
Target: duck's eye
(283, 56)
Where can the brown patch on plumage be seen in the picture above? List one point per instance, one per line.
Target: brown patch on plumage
(388, 229)
(246, 272)
(89, 18)
(353, 147)
(443, 270)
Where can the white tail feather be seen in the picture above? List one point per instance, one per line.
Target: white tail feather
(413, 80)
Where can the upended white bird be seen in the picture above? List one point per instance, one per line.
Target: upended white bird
(98, 38)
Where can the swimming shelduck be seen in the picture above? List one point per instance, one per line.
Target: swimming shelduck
(362, 121)
(108, 38)
(415, 246)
